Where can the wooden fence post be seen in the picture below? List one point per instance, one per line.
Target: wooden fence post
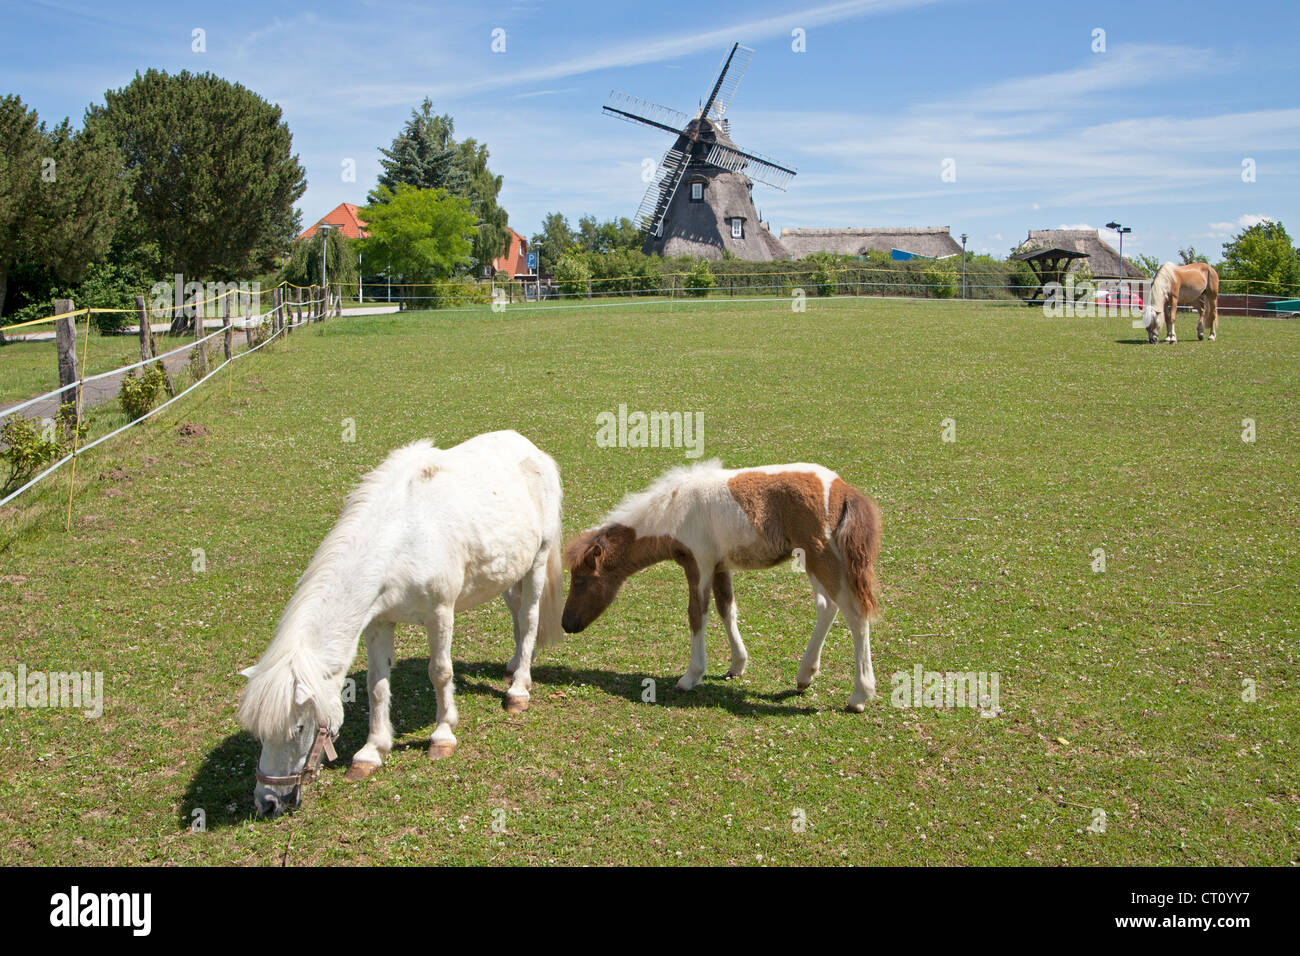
(338, 304)
(248, 325)
(199, 343)
(277, 318)
(228, 340)
(149, 348)
(65, 342)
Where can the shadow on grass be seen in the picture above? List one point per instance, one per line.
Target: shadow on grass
(223, 785)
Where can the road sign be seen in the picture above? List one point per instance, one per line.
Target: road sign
(532, 262)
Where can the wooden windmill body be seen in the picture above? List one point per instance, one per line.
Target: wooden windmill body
(700, 202)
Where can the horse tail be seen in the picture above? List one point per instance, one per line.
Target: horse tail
(857, 537)
(551, 606)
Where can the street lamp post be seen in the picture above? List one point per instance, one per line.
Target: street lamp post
(1121, 230)
(325, 228)
(963, 265)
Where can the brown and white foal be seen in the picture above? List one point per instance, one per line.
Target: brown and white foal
(712, 521)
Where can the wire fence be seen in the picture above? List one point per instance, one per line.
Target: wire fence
(279, 317)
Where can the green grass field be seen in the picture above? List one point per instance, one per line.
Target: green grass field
(1120, 691)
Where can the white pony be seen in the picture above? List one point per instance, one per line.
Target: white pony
(428, 533)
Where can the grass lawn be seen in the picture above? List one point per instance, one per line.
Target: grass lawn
(1120, 691)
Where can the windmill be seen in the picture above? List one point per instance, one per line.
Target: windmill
(715, 212)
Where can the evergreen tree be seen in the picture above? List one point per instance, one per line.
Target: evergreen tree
(214, 175)
(424, 155)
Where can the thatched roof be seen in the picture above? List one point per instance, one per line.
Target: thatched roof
(1103, 258)
(704, 228)
(934, 241)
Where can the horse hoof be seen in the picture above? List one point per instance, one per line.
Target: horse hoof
(361, 770)
(802, 686)
(1212, 337)
(856, 708)
(515, 705)
(733, 675)
(441, 750)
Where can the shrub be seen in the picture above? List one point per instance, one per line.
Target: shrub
(941, 282)
(572, 274)
(825, 276)
(140, 392)
(699, 280)
(30, 444)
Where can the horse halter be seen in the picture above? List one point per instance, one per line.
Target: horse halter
(323, 744)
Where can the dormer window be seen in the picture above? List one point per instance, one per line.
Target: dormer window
(737, 228)
(697, 191)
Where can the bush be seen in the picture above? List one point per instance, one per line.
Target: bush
(572, 274)
(941, 282)
(140, 392)
(700, 279)
(457, 292)
(825, 276)
(30, 444)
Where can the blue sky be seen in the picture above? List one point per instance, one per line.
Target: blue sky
(1043, 132)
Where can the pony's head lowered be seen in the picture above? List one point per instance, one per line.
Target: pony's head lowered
(287, 698)
(596, 572)
(1153, 312)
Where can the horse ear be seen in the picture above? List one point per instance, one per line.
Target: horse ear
(248, 672)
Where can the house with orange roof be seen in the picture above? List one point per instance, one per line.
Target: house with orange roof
(515, 261)
(343, 218)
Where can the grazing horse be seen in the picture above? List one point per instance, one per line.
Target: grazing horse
(428, 533)
(713, 521)
(1194, 284)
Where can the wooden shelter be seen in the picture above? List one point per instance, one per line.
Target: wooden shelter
(1049, 265)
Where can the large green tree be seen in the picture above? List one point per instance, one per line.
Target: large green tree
(1264, 254)
(63, 197)
(22, 142)
(422, 234)
(426, 155)
(215, 176)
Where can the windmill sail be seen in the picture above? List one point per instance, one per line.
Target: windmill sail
(733, 71)
(663, 187)
(633, 109)
(755, 167)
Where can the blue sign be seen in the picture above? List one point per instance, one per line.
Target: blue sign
(532, 262)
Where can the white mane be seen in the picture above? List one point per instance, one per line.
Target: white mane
(296, 668)
(1161, 286)
(655, 507)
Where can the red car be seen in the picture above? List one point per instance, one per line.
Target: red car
(1113, 299)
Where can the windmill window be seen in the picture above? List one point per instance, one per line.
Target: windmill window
(737, 228)
(697, 192)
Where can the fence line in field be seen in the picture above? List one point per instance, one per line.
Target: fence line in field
(285, 306)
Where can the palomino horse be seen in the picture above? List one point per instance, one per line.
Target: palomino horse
(1194, 284)
(428, 533)
(713, 521)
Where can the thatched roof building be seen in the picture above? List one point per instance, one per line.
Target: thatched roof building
(713, 213)
(1102, 258)
(933, 241)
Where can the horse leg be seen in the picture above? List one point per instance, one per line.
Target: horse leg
(512, 596)
(439, 627)
(811, 665)
(526, 621)
(379, 664)
(1171, 315)
(725, 599)
(1212, 310)
(864, 676)
(1200, 317)
(698, 613)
